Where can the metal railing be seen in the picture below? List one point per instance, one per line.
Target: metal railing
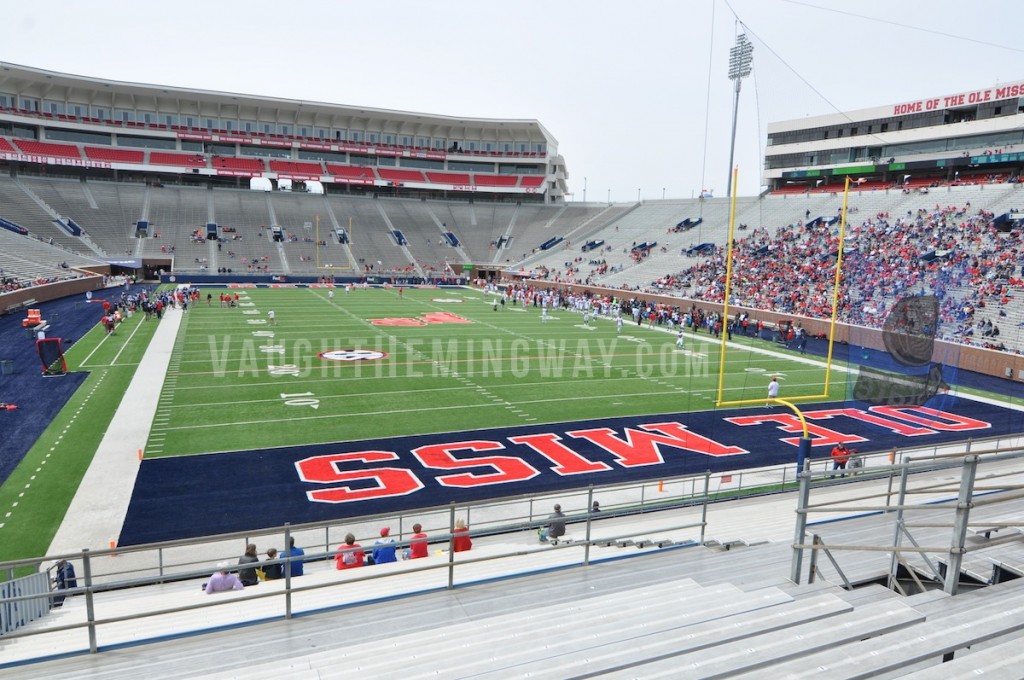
(961, 497)
(163, 565)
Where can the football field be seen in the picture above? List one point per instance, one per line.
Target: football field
(296, 405)
(383, 362)
(384, 400)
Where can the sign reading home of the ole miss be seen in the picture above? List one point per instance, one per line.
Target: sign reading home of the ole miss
(960, 99)
(244, 490)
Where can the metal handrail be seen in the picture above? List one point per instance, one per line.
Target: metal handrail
(93, 622)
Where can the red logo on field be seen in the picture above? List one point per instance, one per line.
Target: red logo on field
(397, 321)
(422, 320)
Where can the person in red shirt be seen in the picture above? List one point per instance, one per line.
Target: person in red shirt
(349, 556)
(461, 542)
(840, 457)
(417, 543)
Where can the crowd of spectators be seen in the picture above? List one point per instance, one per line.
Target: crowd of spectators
(953, 252)
(10, 284)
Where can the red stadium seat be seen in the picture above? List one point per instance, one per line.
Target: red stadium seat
(397, 175)
(293, 167)
(35, 148)
(448, 178)
(106, 153)
(496, 180)
(352, 172)
(233, 163)
(180, 160)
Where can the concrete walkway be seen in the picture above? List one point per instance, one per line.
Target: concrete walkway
(98, 509)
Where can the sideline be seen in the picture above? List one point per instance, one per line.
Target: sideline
(97, 511)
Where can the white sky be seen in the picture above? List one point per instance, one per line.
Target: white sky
(625, 87)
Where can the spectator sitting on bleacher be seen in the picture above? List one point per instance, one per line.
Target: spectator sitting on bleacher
(222, 581)
(461, 542)
(555, 528)
(248, 575)
(296, 565)
(64, 579)
(417, 544)
(272, 571)
(350, 554)
(383, 548)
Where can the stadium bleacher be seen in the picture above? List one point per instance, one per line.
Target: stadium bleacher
(567, 621)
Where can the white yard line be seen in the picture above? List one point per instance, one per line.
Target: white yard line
(84, 362)
(126, 342)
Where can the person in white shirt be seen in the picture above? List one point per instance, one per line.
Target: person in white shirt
(773, 390)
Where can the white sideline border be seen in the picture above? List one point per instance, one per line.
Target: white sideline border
(97, 512)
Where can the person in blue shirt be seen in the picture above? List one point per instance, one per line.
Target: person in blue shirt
(384, 548)
(291, 551)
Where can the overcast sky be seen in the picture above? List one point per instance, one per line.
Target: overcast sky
(636, 93)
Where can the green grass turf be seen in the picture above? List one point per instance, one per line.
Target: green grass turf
(234, 387)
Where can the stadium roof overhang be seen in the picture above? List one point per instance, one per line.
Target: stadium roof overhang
(32, 82)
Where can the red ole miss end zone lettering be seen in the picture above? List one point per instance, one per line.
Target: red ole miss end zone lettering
(476, 463)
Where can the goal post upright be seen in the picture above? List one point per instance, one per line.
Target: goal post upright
(728, 284)
(331, 267)
(837, 284)
(789, 401)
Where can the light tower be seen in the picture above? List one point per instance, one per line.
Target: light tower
(740, 57)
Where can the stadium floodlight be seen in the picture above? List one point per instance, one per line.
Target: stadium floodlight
(740, 57)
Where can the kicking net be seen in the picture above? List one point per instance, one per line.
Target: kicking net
(909, 369)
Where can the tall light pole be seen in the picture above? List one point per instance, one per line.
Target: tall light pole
(609, 197)
(740, 58)
(638, 194)
(584, 189)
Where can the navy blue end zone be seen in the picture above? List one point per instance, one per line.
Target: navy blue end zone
(193, 496)
(39, 399)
